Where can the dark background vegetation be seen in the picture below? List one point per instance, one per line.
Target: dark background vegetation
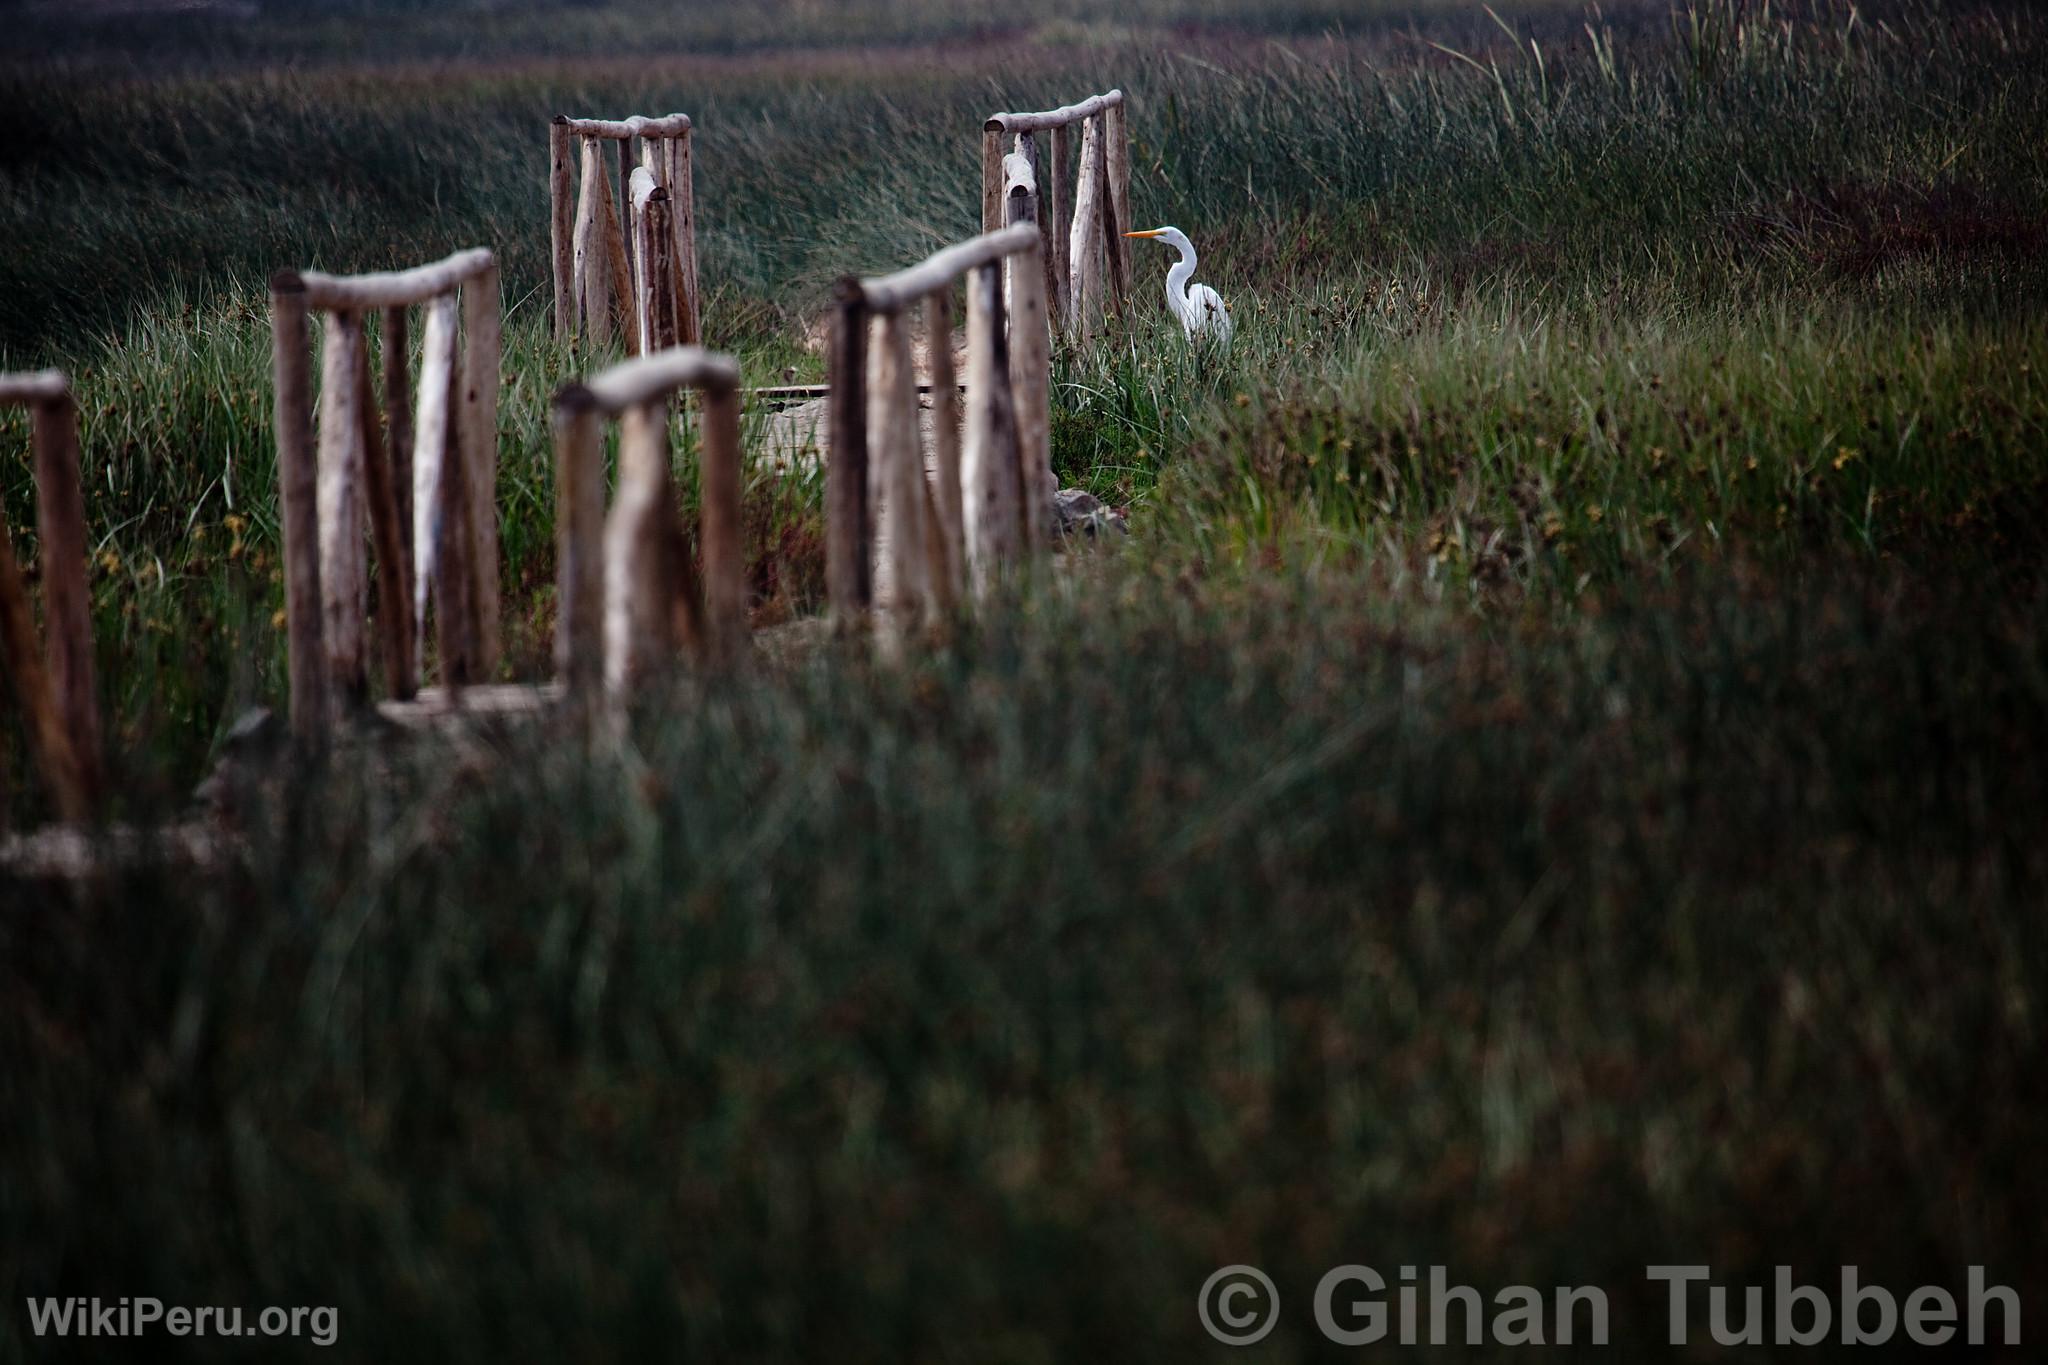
(1551, 787)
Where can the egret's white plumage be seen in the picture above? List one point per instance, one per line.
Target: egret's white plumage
(1199, 308)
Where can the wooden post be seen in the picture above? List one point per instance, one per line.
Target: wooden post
(67, 605)
(592, 309)
(1117, 159)
(398, 442)
(342, 577)
(847, 581)
(42, 720)
(440, 530)
(938, 330)
(723, 537)
(394, 603)
(481, 329)
(579, 541)
(639, 544)
(652, 231)
(1085, 246)
(903, 590)
(991, 178)
(1027, 147)
(989, 460)
(625, 211)
(615, 256)
(1114, 283)
(682, 197)
(1031, 386)
(561, 235)
(292, 424)
(1053, 204)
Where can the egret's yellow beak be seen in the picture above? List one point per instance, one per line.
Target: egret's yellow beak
(1148, 232)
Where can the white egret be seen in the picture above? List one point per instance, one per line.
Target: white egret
(1199, 308)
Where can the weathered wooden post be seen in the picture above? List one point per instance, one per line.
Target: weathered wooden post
(722, 536)
(654, 235)
(1053, 200)
(49, 744)
(594, 319)
(948, 535)
(67, 605)
(440, 502)
(297, 482)
(848, 584)
(682, 196)
(1117, 167)
(641, 563)
(398, 438)
(481, 345)
(1030, 345)
(1085, 248)
(579, 534)
(989, 465)
(57, 696)
(903, 590)
(380, 495)
(992, 175)
(561, 225)
(342, 577)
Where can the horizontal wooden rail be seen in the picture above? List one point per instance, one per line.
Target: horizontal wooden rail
(668, 125)
(36, 386)
(389, 289)
(1054, 118)
(633, 382)
(892, 293)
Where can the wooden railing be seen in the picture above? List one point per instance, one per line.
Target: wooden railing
(600, 242)
(1084, 248)
(627, 609)
(930, 541)
(58, 701)
(427, 480)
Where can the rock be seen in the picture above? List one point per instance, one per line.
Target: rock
(1079, 513)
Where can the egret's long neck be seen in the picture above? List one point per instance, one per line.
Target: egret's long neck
(1177, 282)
